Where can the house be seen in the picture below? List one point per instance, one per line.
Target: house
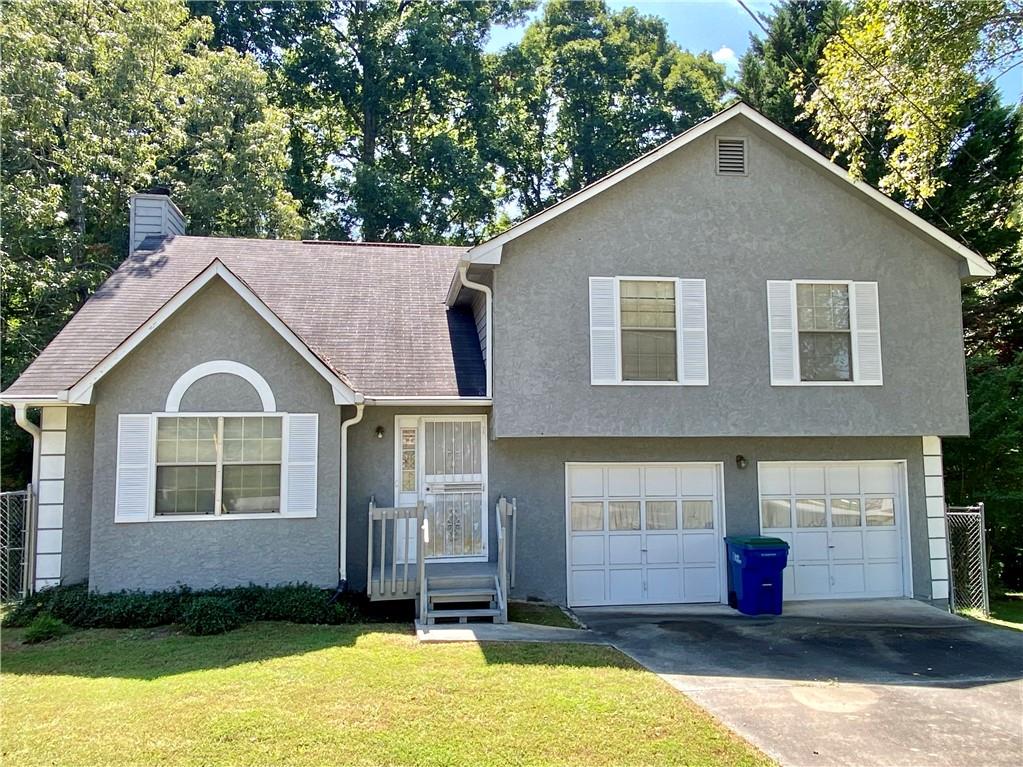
(727, 336)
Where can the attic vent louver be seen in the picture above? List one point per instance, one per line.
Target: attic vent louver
(731, 157)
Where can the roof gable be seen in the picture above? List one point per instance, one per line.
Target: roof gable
(972, 265)
(81, 392)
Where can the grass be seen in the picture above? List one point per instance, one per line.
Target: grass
(1006, 610)
(535, 612)
(279, 693)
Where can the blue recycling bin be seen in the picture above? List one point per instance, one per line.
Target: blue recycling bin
(755, 565)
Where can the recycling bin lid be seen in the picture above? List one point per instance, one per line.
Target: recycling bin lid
(756, 541)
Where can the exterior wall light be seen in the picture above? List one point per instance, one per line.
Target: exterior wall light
(741, 462)
(380, 432)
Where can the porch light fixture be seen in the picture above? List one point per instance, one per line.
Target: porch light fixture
(380, 432)
(741, 462)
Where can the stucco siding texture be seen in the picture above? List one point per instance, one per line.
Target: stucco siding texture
(533, 471)
(374, 314)
(78, 473)
(214, 325)
(786, 220)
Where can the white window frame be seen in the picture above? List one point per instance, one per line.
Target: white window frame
(216, 515)
(676, 281)
(853, 353)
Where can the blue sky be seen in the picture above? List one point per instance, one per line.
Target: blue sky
(721, 27)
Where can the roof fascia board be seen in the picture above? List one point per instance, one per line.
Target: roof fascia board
(490, 251)
(81, 392)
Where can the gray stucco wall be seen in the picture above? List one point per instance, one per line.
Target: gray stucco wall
(533, 471)
(78, 472)
(214, 325)
(786, 220)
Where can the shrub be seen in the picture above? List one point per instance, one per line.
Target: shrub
(77, 606)
(43, 627)
(208, 615)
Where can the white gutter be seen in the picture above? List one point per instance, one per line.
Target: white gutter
(342, 525)
(466, 282)
(21, 418)
(430, 401)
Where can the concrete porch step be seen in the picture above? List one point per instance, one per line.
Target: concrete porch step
(463, 614)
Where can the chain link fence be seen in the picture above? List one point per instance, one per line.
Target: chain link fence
(967, 558)
(15, 544)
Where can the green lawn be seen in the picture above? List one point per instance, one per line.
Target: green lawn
(278, 693)
(1006, 610)
(534, 612)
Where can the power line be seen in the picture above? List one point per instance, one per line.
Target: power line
(952, 230)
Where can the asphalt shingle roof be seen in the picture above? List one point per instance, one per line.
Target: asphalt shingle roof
(374, 313)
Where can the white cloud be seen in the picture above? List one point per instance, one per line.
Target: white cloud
(724, 55)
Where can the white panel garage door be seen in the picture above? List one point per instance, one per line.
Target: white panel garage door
(845, 524)
(643, 533)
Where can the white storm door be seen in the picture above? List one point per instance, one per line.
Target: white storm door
(442, 461)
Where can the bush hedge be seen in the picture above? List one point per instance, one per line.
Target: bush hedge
(203, 616)
(77, 606)
(44, 627)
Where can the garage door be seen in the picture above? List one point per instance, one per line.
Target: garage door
(644, 533)
(845, 524)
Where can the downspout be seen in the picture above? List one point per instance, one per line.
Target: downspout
(21, 418)
(342, 524)
(463, 270)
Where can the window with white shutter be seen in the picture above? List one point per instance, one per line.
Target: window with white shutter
(824, 332)
(214, 465)
(648, 331)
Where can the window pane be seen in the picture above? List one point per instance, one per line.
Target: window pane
(697, 515)
(649, 355)
(623, 515)
(825, 356)
(776, 513)
(810, 512)
(252, 439)
(252, 489)
(845, 512)
(661, 515)
(588, 515)
(186, 440)
(647, 304)
(185, 489)
(822, 306)
(880, 511)
(408, 460)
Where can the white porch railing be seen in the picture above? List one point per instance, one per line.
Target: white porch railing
(396, 538)
(505, 553)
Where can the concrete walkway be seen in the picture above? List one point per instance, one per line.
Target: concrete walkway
(503, 632)
(884, 682)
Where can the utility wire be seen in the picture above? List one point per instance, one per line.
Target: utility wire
(952, 230)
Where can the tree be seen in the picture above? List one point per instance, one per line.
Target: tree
(915, 62)
(588, 90)
(777, 71)
(98, 100)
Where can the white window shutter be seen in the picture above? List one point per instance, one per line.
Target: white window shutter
(133, 495)
(603, 331)
(692, 296)
(298, 484)
(866, 333)
(781, 323)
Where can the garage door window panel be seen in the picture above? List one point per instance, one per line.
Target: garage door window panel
(880, 512)
(661, 515)
(810, 512)
(776, 513)
(698, 515)
(587, 516)
(623, 515)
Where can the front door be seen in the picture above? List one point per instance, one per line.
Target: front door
(442, 461)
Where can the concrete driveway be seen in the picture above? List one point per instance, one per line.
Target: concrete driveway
(884, 682)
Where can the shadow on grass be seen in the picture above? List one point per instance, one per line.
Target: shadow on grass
(149, 654)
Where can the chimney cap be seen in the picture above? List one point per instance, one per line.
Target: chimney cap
(161, 190)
